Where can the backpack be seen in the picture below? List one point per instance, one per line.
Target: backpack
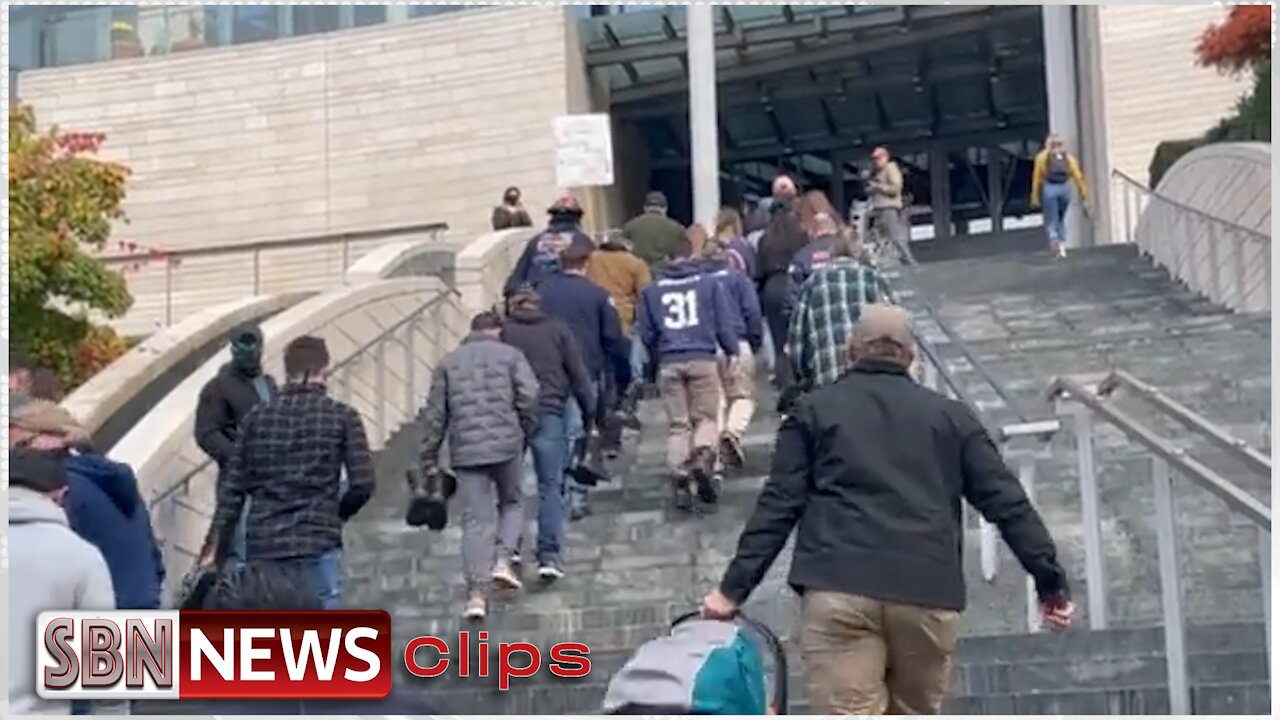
(703, 667)
(1058, 169)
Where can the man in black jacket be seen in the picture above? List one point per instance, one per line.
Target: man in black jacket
(874, 469)
(233, 392)
(552, 352)
(289, 461)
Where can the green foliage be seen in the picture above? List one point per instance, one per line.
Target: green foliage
(1250, 122)
(61, 204)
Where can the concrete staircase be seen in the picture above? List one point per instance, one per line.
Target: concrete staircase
(1029, 319)
(636, 563)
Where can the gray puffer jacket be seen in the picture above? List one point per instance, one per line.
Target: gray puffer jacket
(486, 395)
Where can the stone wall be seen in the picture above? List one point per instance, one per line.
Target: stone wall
(426, 120)
(1153, 89)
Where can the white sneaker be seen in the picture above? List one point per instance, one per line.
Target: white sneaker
(476, 608)
(504, 574)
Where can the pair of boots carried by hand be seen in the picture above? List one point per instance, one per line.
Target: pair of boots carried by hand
(429, 494)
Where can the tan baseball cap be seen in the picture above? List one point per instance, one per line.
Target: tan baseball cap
(882, 321)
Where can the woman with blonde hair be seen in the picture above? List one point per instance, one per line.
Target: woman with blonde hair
(1052, 176)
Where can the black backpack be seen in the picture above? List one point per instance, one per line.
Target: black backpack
(1058, 170)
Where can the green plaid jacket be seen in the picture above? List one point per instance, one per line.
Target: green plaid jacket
(829, 304)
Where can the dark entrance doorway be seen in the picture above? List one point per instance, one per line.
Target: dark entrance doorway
(955, 92)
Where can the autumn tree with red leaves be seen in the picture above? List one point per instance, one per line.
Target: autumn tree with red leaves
(62, 201)
(1240, 42)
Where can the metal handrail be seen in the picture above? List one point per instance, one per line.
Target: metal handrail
(185, 480)
(954, 338)
(255, 250)
(1238, 448)
(1149, 192)
(1226, 262)
(1165, 459)
(1237, 499)
(328, 238)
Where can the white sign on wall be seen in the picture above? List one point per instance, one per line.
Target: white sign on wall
(584, 150)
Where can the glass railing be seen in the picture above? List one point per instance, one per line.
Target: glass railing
(53, 36)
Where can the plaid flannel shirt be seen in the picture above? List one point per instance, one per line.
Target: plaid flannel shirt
(289, 459)
(829, 304)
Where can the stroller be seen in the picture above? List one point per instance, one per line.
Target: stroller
(703, 667)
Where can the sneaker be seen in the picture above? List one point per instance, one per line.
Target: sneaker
(505, 574)
(549, 569)
(515, 558)
(476, 607)
(731, 453)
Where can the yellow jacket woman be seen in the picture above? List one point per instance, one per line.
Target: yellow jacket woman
(1052, 176)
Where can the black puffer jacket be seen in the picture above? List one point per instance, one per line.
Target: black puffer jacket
(224, 401)
(552, 352)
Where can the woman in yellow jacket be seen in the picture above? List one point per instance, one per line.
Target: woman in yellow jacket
(1054, 172)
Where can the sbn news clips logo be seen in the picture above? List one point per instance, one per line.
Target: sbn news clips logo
(343, 654)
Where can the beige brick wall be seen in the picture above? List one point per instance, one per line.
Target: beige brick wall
(1154, 90)
(421, 121)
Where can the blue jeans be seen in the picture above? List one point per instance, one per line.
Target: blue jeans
(575, 428)
(1057, 199)
(326, 572)
(638, 354)
(549, 447)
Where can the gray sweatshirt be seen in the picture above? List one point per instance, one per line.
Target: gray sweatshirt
(50, 568)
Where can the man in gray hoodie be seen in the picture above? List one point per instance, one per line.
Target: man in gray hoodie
(56, 569)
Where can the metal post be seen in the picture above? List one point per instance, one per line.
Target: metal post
(940, 190)
(704, 141)
(1175, 649)
(1095, 578)
(1264, 567)
(380, 391)
(1027, 476)
(344, 384)
(1241, 266)
(410, 371)
(1215, 262)
(995, 187)
(1127, 196)
(346, 253)
(168, 293)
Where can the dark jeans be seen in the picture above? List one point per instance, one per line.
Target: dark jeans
(550, 446)
(775, 301)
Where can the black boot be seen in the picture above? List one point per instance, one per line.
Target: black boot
(429, 497)
(702, 468)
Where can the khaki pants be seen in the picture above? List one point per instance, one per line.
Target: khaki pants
(866, 657)
(737, 403)
(691, 393)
